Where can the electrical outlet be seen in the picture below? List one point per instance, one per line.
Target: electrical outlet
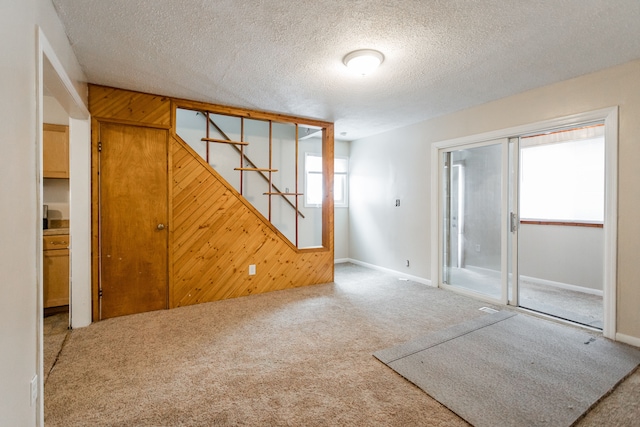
(397, 202)
(252, 270)
(34, 390)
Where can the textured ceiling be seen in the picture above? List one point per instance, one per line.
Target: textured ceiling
(286, 56)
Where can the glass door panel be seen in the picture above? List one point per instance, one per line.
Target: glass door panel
(473, 219)
(561, 233)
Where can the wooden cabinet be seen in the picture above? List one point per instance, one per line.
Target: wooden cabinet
(55, 151)
(56, 270)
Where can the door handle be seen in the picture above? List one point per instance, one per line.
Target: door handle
(160, 227)
(513, 222)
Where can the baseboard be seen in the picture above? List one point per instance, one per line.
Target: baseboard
(341, 260)
(562, 285)
(390, 271)
(628, 339)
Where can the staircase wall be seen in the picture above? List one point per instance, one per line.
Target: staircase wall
(214, 233)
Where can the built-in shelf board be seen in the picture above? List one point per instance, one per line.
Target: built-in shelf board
(256, 169)
(224, 141)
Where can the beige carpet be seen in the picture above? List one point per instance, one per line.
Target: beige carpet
(55, 330)
(295, 357)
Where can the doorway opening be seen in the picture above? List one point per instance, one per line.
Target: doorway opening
(72, 200)
(527, 217)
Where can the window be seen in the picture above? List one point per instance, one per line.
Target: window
(313, 181)
(562, 178)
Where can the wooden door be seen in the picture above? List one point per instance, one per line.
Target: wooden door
(133, 215)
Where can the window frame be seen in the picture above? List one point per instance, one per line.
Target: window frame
(345, 181)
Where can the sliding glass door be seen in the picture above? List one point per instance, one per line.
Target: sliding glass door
(521, 221)
(561, 230)
(473, 218)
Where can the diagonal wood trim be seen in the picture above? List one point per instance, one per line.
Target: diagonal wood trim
(214, 233)
(128, 106)
(195, 157)
(257, 169)
(217, 235)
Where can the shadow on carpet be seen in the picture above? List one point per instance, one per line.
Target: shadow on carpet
(511, 370)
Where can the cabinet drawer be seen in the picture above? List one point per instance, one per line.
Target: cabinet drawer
(55, 242)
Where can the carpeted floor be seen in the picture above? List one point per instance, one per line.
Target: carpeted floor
(55, 331)
(295, 357)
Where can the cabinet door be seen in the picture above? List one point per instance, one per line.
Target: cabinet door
(56, 277)
(55, 151)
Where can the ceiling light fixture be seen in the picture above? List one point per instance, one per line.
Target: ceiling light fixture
(363, 61)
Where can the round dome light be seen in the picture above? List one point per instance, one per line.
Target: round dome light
(363, 61)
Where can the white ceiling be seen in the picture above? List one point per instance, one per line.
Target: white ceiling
(286, 56)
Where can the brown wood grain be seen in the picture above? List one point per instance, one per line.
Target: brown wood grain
(249, 114)
(55, 271)
(563, 223)
(133, 201)
(129, 107)
(224, 141)
(55, 151)
(214, 233)
(217, 236)
(95, 223)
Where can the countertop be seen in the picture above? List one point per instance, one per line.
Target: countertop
(55, 231)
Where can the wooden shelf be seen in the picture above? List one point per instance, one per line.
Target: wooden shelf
(224, 141)
(256, 169)
(563, 223)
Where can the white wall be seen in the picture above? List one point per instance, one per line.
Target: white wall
(396, 164)
(383, 168)
(21, 224)
(80, 220)
(56, 197)
(53, 112)
(568, 255)
(341, 215)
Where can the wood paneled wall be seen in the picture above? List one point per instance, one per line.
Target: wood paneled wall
(215, 234)
(129, 107)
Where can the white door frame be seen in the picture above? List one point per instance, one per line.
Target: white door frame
(610, 118)
(504, 235)
(51, 74)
